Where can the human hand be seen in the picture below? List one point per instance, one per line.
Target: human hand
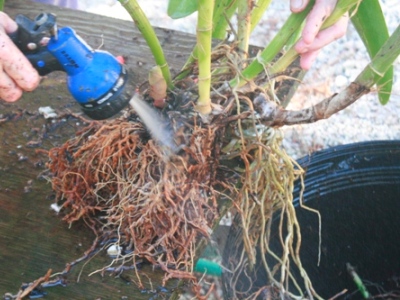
(16, 72)
(312, 40)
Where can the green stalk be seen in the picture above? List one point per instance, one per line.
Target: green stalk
(362, 85)
(257, 66)
(258, 12)
(2, 5)
(284, 61)
(341, 8)
(144, 26)
(186, 69)
(244, 26)
(204, 34)
(223, 12)
(293, 22)
(381, 62)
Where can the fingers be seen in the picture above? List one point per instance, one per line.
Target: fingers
(17, 66)
(16, 72)
(320, 12)
(325, 36)
(312, 39)
(309, 52)
(7, 23)
(307, 59)
(9, 91)
(298, 5)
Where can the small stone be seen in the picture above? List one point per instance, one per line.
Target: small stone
(55, 207)
(340, 81)
(27, 189)
(114, 250)
(47, 112)
(22, 157)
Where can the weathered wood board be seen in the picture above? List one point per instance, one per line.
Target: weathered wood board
(33, 239)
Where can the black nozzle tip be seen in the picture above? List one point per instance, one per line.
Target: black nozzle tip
(111, 105)
(107, 109)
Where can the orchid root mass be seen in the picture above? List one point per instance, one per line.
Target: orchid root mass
(161, 205)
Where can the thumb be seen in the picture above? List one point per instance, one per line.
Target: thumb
(298, 5)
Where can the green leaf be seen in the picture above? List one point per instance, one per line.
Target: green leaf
(181, 8)
(370, 24)
(148, 33)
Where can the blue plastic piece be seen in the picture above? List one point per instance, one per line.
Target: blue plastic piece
(41, 63)
(93, 76)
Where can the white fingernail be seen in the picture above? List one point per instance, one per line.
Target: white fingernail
(296, 4)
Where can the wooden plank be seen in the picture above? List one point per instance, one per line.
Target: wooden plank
(32, 238)
(116, 36)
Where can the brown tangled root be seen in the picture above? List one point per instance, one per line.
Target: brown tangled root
(155, 205)
(158, 206)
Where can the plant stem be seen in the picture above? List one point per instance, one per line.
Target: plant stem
(284, 61)
(293, 22)
(204, 33)
(223, 12)
(2, 5)
(291, 54)
(341, 8)
(381, 61)
(190, 61)
(144, 26)
(273, 115)
(244, 26)
(258, 12)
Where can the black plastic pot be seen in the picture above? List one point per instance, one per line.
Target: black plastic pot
(356, 189)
